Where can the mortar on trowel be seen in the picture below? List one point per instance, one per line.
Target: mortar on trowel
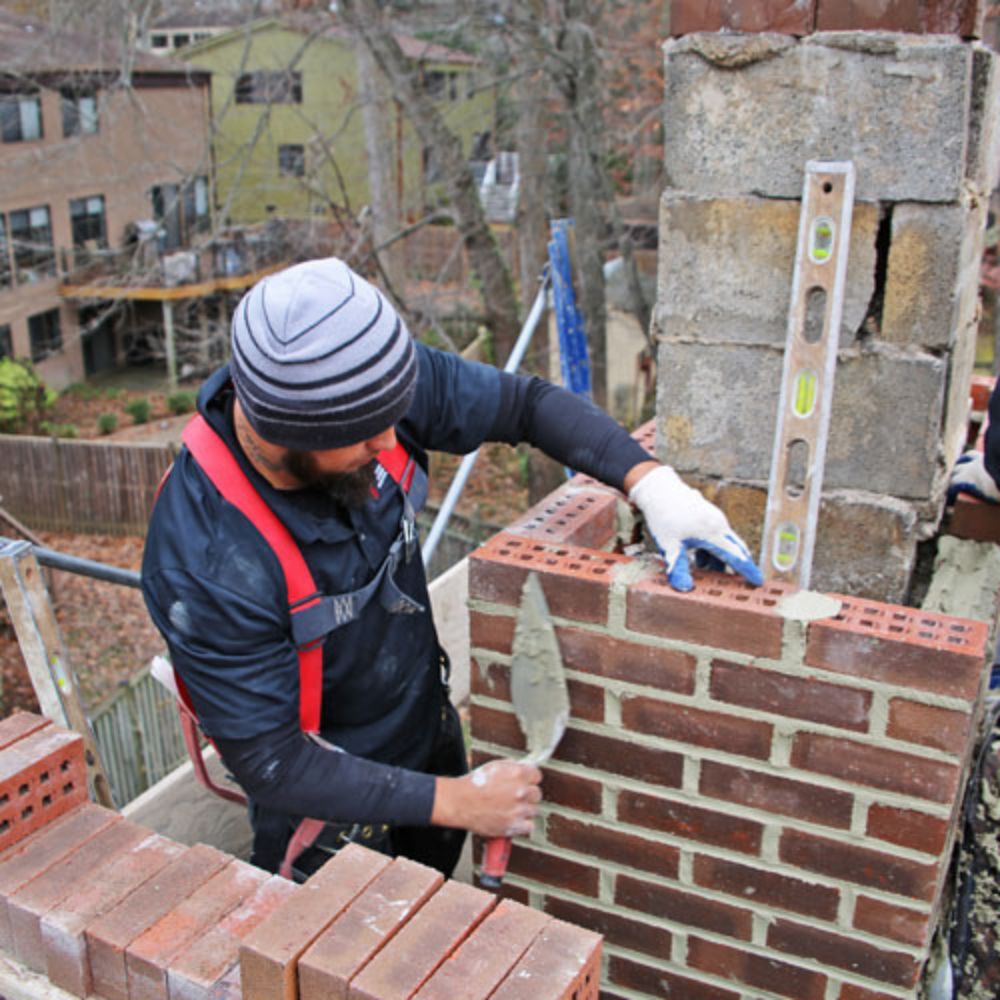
(540, 699)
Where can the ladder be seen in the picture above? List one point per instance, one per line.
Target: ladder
(809, 366)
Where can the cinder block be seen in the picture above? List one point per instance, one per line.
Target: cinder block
(983, 163)
(564, 962)
(955, 427)
(790, 16)
(355, 937)
(148, 958)
(428, 940)
(270, 953)
(896, 105)
(483, 960)
(201, 964)
(963, 18)
(726, 266)
(63, 927)
(31, 902)
(43, 775)
(109, 936)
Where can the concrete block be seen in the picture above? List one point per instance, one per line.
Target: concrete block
(983, 162)
(955, 424)
(932, 278)
(726, 266)
(897, 105)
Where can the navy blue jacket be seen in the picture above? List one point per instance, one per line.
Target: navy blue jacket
(216, 591)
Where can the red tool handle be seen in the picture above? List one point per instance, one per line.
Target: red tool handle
(496, 854)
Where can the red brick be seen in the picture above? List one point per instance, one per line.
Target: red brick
(494, 632)
(790, 697)
(849, 991)
(17, 725)
(755, 970)
(689, 908)
(572, 791)
(636, 663)
(973, 519)
(908, 828)
(96, 892)
(790, 17)
(538, 866)
(149, 956)
(571, 516)
(489, 679)
(858, 957)
(32, 901)
(437, 929)
(929, 726)
(692, 822)
(42, 776)
(980, 390)
(599, 841)
(206, 960)
(491, 725)
(341, 951)
(492, 680)
(270, 951)
(783, 796)
(886, 920)
(721, 611)
(859, 865)
(655, 982)
(684, 724)
(947, 17)
(909, 648)
(876, 767)
(229, 987)
(613, 927)
(563, 962)
(485, 957)
(766, 887)
(619, 756)
(109, 935)
(576, 581)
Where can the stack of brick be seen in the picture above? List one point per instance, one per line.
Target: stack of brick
(744, 113)
(745, 803)
(106, 908)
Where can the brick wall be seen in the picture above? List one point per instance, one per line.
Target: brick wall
(744, 803)
(107, 908)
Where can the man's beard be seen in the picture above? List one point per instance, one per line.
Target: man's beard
(352, 489)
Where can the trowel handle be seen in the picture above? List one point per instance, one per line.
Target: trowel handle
(496, 854)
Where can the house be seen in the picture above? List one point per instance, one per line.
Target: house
(288, 128)
(97, 151)
(183, 27)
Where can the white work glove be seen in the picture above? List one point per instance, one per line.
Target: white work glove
(680, 520)
(970, 476)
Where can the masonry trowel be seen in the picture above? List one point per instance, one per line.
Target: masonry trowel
(540, 699)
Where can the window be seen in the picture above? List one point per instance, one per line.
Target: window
(79, 113)
(292, 161)
(269, 87)
(196, 215)
(6, 342)
(181, 39)
(20, 117)
(31, 237)
(44, 334)
(159, 41)
(86, 217)
(439, 84)
(182, 210)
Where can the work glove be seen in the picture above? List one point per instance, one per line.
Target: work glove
(970, 476)
(682, 521)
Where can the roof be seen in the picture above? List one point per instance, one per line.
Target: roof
(30, 47)
(199, 17)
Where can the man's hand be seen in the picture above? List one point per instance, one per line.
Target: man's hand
(970, 476)
(681, 520)
(499, 799)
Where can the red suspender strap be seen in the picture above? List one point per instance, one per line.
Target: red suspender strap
(396, 461)
(218, 463)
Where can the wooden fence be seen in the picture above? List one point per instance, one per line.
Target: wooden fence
(95, 487)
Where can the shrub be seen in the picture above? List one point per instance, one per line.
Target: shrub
(138, 410)
(107, 422)
(181, 402)
(59, 430)
(24, 398)
(112, 392)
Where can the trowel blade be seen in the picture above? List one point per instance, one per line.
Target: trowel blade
(537, 680)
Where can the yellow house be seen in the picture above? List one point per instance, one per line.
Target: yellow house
(288, 121)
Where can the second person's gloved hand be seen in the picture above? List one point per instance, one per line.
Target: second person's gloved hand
(971, 476)
(681, 521)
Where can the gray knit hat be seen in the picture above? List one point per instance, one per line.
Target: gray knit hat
(320, 358)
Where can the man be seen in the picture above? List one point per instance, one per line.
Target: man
(323, 378)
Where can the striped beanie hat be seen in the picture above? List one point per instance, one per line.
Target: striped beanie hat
(320, 358)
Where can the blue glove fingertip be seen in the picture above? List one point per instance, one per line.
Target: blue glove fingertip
(679, 575)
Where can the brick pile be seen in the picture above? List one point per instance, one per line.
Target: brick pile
(104, 907)
(744, 802)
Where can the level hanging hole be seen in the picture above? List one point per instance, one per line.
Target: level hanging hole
(796, 468)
